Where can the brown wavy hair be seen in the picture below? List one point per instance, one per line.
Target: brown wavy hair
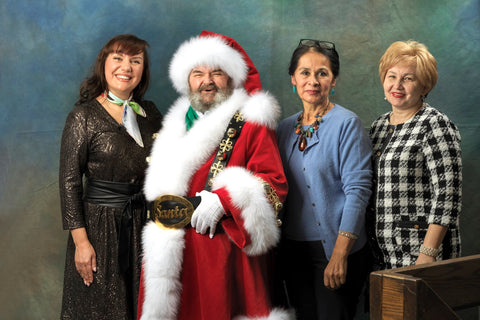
(96, 83)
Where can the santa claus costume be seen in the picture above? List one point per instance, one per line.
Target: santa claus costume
(188, 275)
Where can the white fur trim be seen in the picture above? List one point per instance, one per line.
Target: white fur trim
(275, 314)
(163, 258)
(206, 51)
(177, 154)
(247, 194)
(262, 108)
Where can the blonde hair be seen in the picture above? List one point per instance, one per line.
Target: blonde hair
(406, 51)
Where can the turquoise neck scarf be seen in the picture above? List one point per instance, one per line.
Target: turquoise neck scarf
(190, 117)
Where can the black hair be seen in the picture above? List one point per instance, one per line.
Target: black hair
(330, 53)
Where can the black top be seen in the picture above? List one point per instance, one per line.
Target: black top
(95, 146)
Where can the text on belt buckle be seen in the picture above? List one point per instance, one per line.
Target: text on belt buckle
(172, 212)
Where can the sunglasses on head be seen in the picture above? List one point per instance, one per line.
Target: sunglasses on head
(317, 43)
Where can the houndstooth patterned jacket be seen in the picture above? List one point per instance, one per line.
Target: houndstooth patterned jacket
(417, 182)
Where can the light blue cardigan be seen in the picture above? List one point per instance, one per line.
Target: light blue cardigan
(330, 182)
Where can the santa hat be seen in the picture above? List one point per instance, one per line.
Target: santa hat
(215, 51)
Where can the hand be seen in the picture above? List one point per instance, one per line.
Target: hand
(335, 273)
(208, 213)
(85, 262)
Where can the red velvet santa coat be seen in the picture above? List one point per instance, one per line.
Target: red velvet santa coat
(187, 275)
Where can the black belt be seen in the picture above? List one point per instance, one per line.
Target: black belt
(128, 196)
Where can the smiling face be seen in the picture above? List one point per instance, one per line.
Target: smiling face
(123, 73)
(313, 79)
(208, 87)
(402, 87)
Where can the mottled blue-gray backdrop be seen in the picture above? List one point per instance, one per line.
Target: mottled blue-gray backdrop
(48, 46)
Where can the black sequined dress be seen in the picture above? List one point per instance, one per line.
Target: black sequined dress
(95, 146)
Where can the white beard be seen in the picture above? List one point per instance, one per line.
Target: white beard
(198, 104)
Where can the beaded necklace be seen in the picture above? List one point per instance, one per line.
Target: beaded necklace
(303, 134)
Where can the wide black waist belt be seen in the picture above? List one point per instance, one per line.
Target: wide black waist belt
(119, 195)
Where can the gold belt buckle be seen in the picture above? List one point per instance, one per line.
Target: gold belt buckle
(172, 212)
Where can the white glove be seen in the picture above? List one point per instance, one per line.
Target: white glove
(208, 213)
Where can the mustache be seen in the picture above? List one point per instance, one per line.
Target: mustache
(207, 87)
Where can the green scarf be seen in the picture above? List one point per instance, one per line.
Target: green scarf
(190, 117)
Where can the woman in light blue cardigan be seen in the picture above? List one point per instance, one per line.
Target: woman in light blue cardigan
(326, 156)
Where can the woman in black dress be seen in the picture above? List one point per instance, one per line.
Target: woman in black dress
(106, 141)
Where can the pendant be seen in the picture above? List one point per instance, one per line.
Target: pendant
(302, 143)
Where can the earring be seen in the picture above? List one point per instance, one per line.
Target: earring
(333, 91)
(423, 98)
(293, 89)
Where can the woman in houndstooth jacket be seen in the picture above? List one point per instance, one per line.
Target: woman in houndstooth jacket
(416, 202)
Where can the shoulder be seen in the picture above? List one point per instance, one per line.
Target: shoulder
(291, 118)
(344, 118)
(341, 110)
(343, 114)
(80, 116)
(380, 120)
(150, 109)
(437, 123)
(86, 106)
(83, 110)
(433, 115)
(261, 108)
(288, 122)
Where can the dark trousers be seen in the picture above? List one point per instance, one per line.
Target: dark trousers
(302, 267)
